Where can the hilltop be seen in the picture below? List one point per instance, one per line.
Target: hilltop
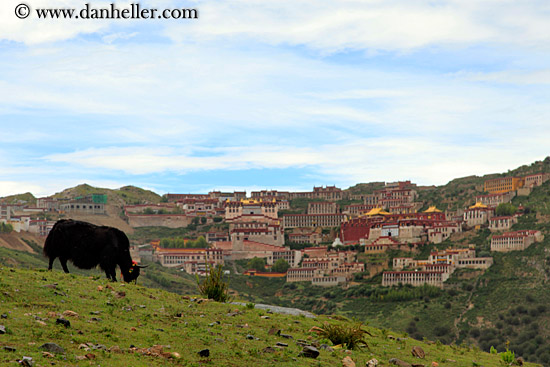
(126, 195)
(119, 324)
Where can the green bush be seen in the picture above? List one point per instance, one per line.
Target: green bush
(213, 286)
(350, 336)
(6, 228)
(508, 356)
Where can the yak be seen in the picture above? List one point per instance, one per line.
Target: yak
(87, 246)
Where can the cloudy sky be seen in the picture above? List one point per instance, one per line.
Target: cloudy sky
(283, 94)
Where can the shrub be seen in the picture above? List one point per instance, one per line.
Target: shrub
(351, 336)
(441, 330)
(508, 356)
(213, 286)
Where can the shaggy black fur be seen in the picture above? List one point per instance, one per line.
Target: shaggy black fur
(88, 246)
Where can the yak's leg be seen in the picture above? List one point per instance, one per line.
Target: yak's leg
(63, 262)
(111, 274)
(50, 266)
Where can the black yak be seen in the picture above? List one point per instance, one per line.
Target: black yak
(88, 246)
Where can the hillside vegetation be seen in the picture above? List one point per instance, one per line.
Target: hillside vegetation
(127, 195)
(92, 321)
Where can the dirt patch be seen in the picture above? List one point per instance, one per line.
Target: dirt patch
(14, 241)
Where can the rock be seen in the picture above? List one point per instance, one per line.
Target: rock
(417, 365)
(120, 294)
(315, 329)
(64, 322)
(83, 346)
(52, 348)
(250, 337)
(27, 362)
(204, 353)
(269, 350)
(175, 355)
(41, 322)
(274, 331)
(80, 358)
(265, 317)
(399, 362)
(99, 288)
(70, 313)
(348, 362)
(520, 361)
(214, 323)
(47, 355)
(2, 329)
(372, 363)
(286, 336)
(9, 349)
(435, 364)
(326, 347)
(3, 316)
(115, 349)
(90, 356)
(418, 352)
(309, 352)
(279, 344)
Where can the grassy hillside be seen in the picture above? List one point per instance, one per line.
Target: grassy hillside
(116, 324)
(127, 195)
(19, 198)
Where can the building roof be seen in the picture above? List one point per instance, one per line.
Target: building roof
(377, 211)
(432, 209)
(478, 205)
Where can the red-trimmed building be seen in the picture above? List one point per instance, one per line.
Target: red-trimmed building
(515, 241)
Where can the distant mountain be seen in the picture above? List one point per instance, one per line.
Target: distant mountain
(126, 195)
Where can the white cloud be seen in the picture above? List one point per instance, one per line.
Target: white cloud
(14, 187)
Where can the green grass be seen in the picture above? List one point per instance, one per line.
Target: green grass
(129, 314)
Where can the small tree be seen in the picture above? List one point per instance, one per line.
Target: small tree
(198, 243)
(280, 266)
(213, 285)
(6, 228)
(505, 209)
(203, 220)
(256, 263)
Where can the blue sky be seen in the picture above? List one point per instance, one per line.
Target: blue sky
(262, 94)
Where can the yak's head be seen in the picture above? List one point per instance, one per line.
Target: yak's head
(132, 273)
